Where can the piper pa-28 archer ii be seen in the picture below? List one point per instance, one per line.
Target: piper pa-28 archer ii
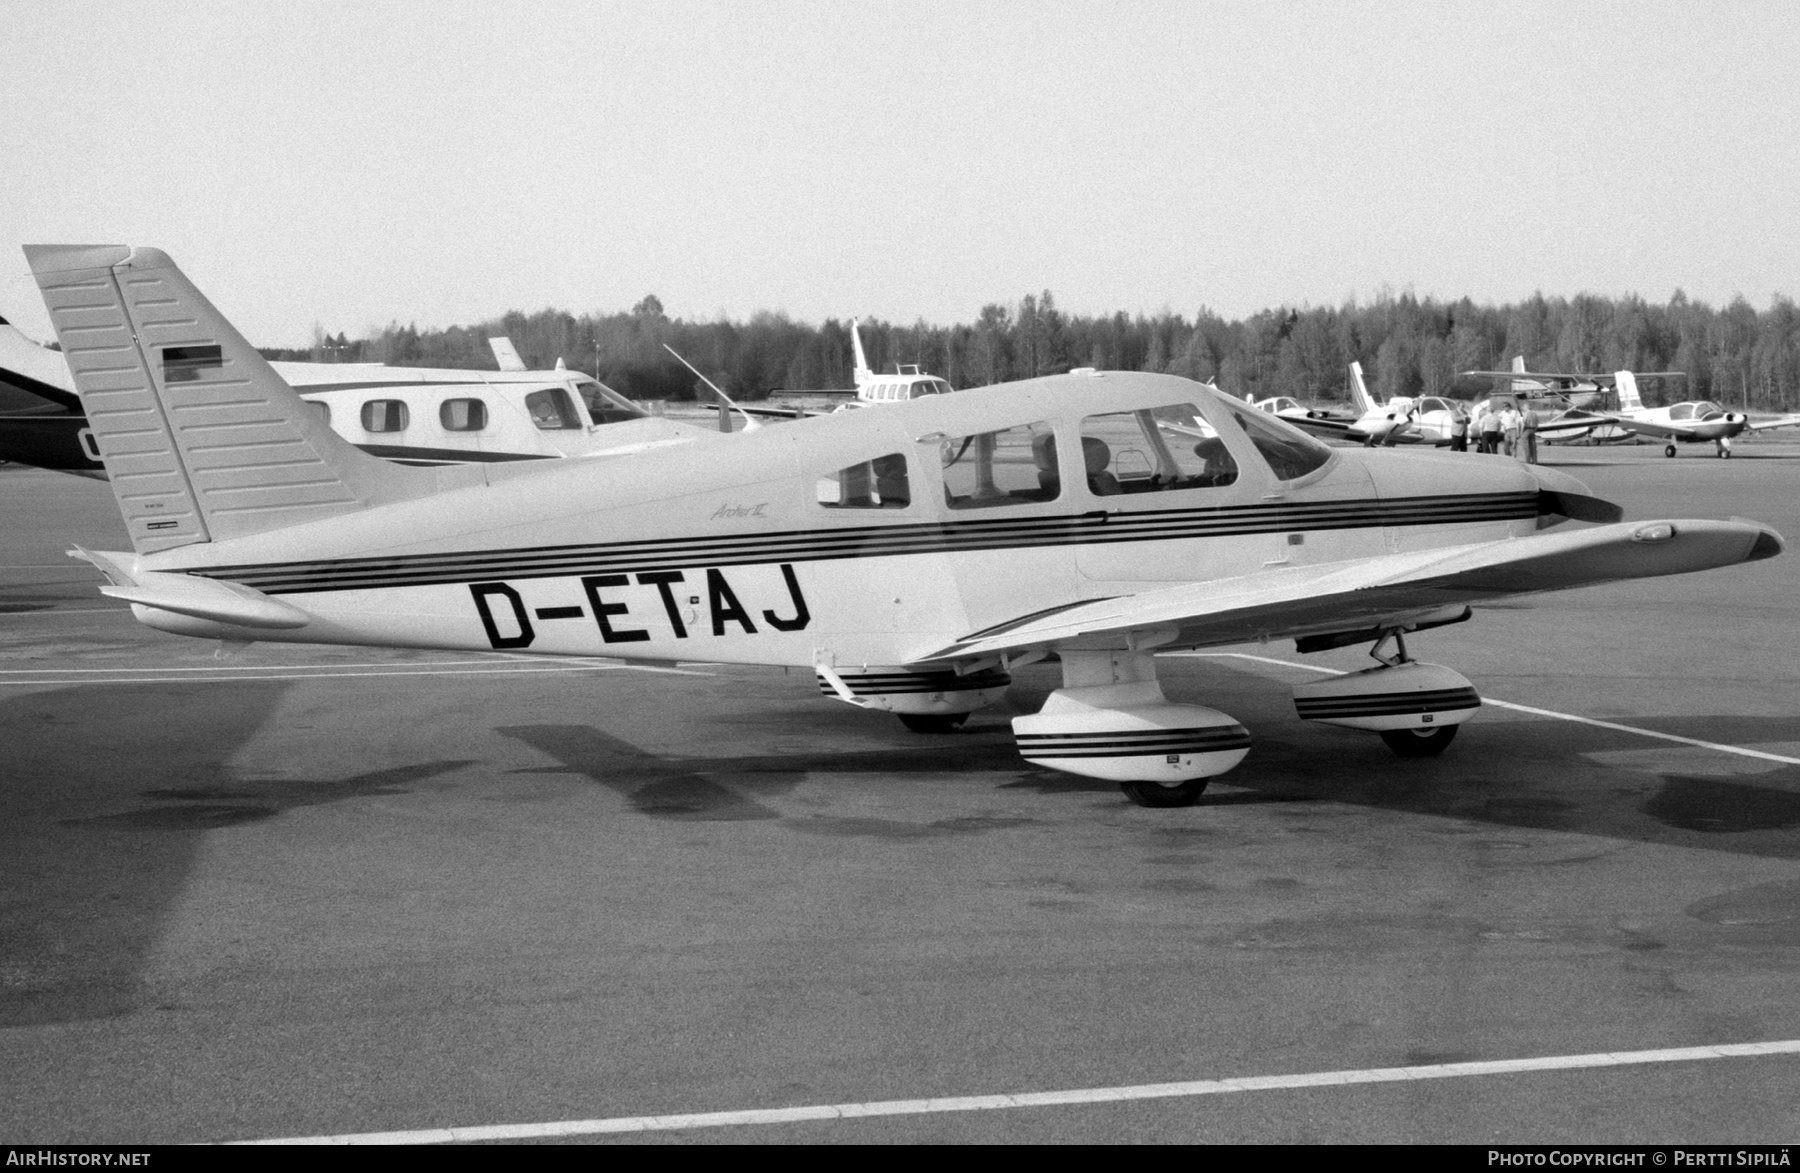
(909, 557)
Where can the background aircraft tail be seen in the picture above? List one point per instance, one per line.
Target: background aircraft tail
(1359, 390)
(201, 438)
(863, 374)
(32, 376)
(1520, 386)
(506, 354)
(1629, 399)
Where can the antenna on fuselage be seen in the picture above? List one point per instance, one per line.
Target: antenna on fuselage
(862, 373)
(750, 424)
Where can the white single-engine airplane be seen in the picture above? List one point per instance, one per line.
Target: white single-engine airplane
(909, 557)
(1689, 422)
(1429, 419)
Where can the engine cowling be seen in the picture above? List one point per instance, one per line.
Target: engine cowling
(1130, 733)
(1412, 695)
(897, 690)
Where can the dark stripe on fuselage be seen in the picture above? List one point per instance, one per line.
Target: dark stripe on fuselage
(822, 545)
(411, 454)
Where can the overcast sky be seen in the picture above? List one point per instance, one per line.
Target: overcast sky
(352, 164)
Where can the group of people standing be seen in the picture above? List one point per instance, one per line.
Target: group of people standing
(1501, 429)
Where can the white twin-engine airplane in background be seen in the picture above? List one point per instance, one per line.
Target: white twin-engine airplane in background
(411, 415)
(907, 382)
(909, 557)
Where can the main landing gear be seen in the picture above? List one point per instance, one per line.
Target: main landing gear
(1110, 720)
(1416, 707)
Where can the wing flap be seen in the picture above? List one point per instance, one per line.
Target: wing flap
(1293, 601)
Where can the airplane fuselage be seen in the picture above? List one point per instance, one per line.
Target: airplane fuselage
(725, 548)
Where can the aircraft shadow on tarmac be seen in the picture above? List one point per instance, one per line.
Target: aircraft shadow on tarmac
(100, 822)
(724, 789)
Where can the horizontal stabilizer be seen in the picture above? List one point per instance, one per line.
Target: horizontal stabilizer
(1294, 601)
(185, 594)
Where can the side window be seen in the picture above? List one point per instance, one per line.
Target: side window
(384, 415)
(1154, 450)
(1290, 452)
(323, 408)
(874, 484)
(551, 410)
(463, 415)
(1013, 466)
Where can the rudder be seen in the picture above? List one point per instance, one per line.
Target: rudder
(202, 440)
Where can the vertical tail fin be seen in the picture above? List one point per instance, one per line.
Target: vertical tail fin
(863, 374)
(1359, 390)
(506, 354)
(201, 438)
(1628, 391)
(1520, 386)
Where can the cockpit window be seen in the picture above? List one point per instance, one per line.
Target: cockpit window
(1154, 450)
(551, 410)
(1014, 466)
(874, 484)
(607, 406)
(1290, 452)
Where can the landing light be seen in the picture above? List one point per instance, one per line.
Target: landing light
(1660, 532)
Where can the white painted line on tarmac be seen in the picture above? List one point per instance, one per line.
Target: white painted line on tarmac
(229, 668)
(66, 611)
(329, 675)
(1091, 1095)
(1741, 751)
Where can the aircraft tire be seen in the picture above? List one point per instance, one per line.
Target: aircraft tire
(932, 722)
(1669, 450)
(1158, 795)
(1420, 743)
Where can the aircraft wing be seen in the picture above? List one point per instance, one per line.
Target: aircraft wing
(1642, 427)
(1786, 421)
(1289, 602)
(1336, 428)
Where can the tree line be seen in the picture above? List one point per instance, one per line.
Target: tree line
(1736, 355)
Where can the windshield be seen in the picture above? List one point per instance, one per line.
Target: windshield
(606, 405)
(1290, 452)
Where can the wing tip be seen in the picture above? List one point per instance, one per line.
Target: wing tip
(1768, 544)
